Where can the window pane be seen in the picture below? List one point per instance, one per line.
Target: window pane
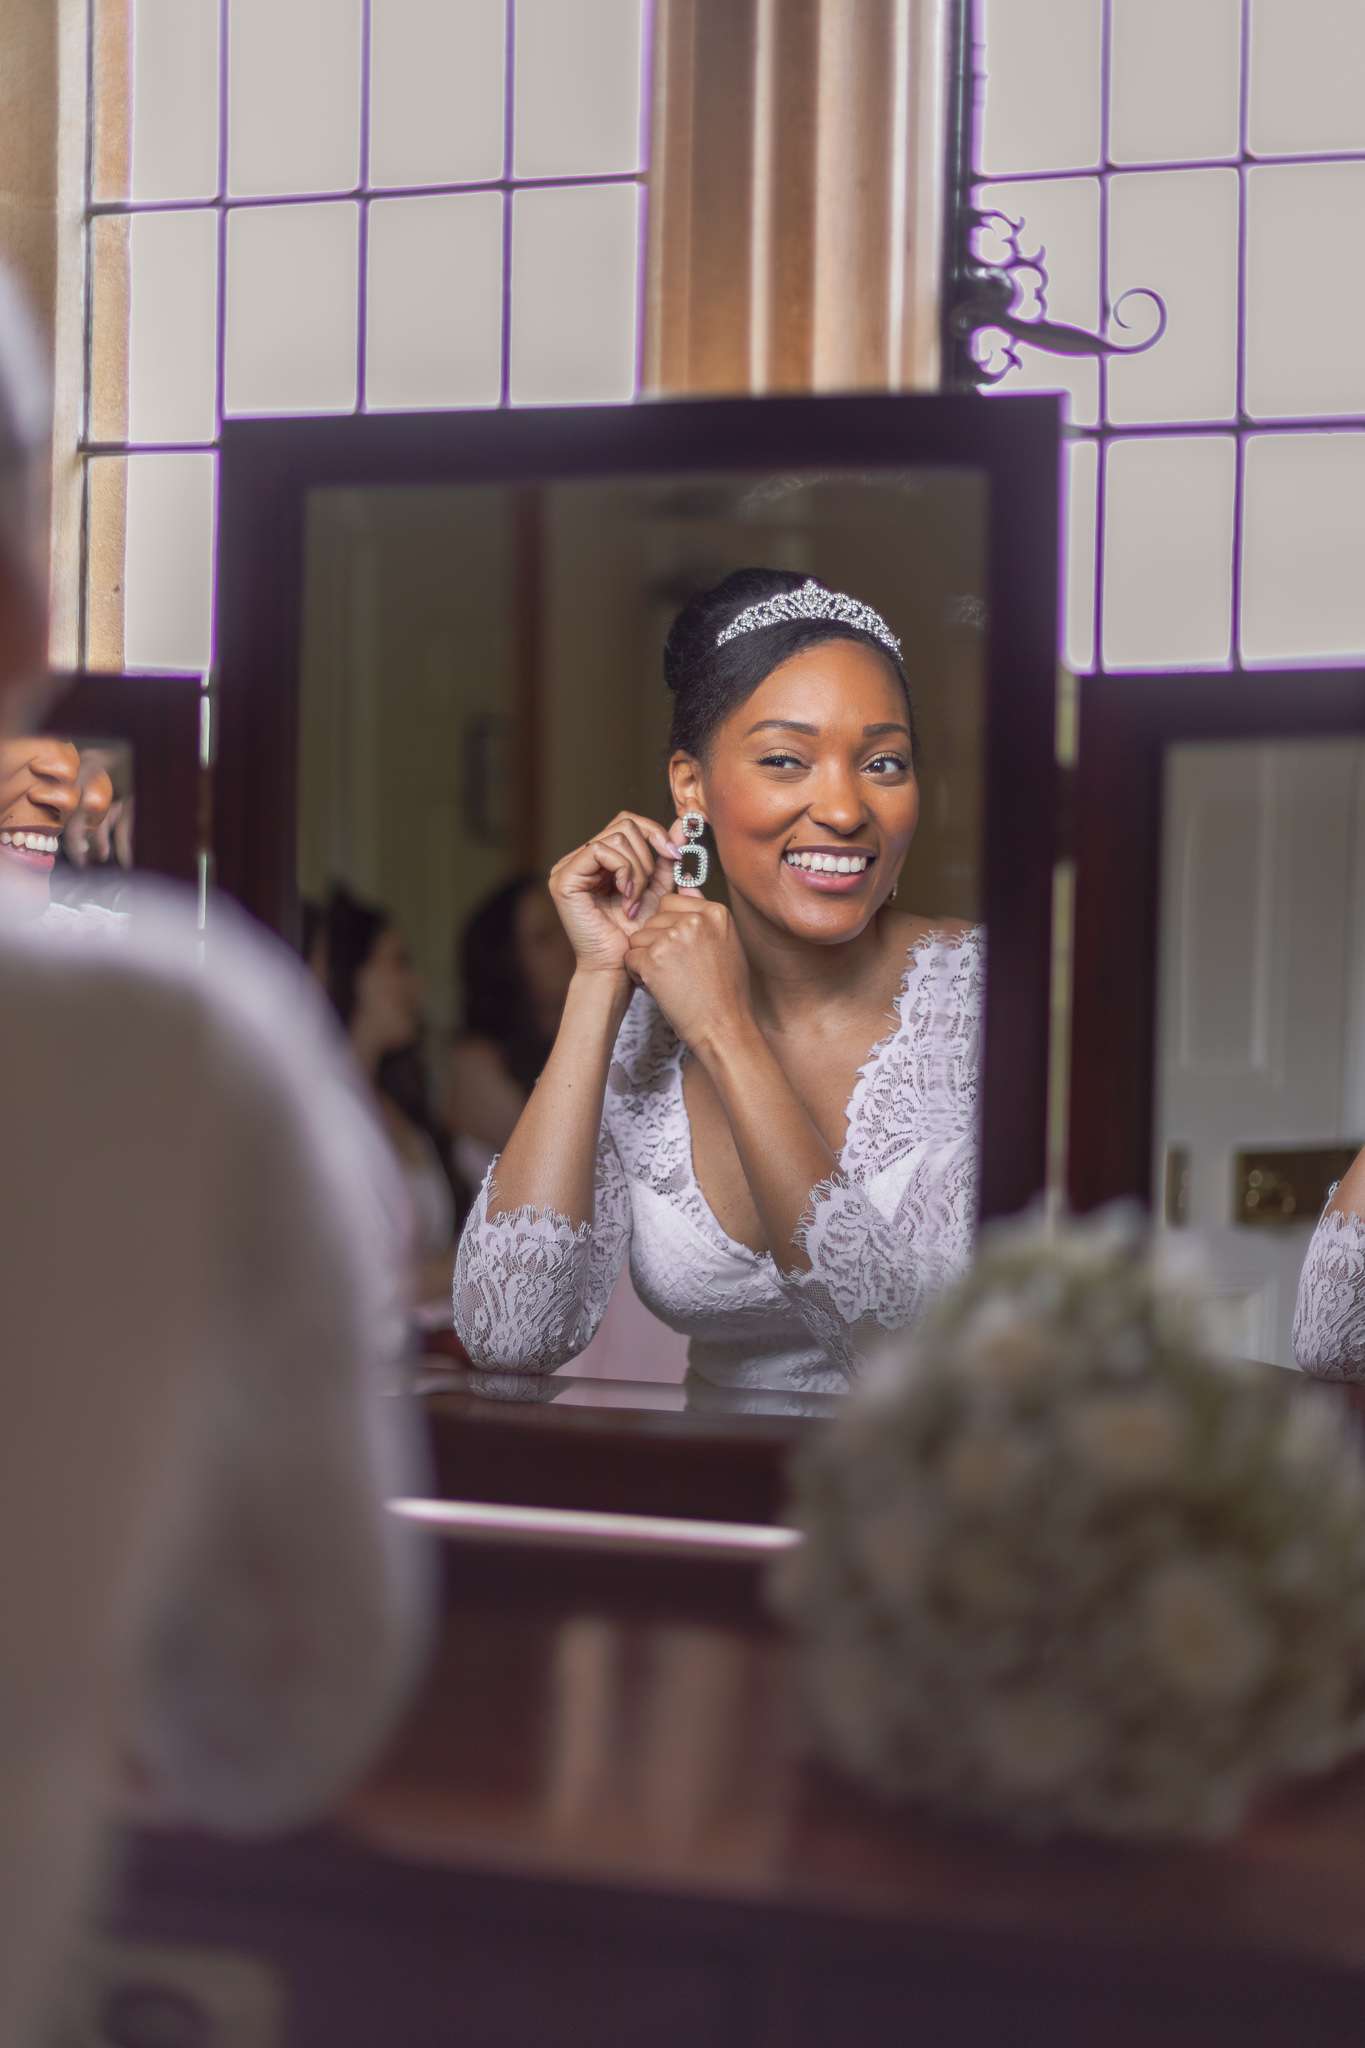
(293, 95)
(1305, 304)
(577, 87)
(1081, 467)
(574, 255)
(1175, 72)
(1168, 551)
(292, 308)
(1042, 102)
(154, 344)
(1063, 215)
(435, 302)
(1176, 232)
(1303, 596)
(1307, 68)
(151, 561)
(156, 88)
(436, 116)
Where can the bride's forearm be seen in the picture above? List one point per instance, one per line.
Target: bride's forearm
(550, 1158)
(783, 1154)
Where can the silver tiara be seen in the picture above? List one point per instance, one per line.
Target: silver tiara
(811, 601)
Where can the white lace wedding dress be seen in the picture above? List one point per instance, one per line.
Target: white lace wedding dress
(1329, 1316)
(890, 1228)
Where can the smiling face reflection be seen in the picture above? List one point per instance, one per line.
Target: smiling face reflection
(810, 788)
(40, 792)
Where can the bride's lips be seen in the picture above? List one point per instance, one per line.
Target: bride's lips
(826, 884)
(37, 863)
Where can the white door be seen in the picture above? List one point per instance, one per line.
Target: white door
(1260, 1012)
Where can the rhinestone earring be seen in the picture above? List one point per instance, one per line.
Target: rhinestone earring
(693, 825)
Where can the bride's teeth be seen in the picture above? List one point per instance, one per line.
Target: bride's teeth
(844, 864)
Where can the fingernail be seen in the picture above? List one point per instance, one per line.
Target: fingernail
(632, 910)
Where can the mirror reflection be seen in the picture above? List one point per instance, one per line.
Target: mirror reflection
(734, 1123)
(1260, 1100)
(66, 832)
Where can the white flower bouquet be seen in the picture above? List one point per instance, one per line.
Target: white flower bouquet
(1065, 1569)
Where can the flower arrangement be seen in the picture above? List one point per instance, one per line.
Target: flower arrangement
(1065, 1569)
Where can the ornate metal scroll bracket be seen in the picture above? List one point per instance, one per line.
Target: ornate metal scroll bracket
(1000, 305)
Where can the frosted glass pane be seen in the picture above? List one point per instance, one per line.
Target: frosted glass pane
(1168, 551)
(1175, 70)
(1063, 214)
(160, 61)
(574, 255)
(1307, 76)
(1303, 595)
(436, 113)
(168, 598)
(172, 326)
(292, 308)
(577, 87)
(293, 95)
(1042, 98)
(1081, 468)
(1305, 297)
(1176, 232)
(435, 302)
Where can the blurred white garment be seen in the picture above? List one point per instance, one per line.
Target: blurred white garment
(83, 921)
(630, 1342)
(201, 1586)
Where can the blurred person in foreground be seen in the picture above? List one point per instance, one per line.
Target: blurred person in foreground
(207, 1605)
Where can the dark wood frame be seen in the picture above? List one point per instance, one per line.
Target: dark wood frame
(159, 716)
(1127, 722)
(269, 467)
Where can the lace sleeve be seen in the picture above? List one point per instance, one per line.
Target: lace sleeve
(1329, 1317)
(530, 1289)
(870, 1272)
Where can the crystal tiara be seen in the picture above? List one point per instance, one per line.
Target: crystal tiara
(811, 601)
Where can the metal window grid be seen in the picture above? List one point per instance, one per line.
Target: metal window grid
(363, 194)
(1241, 425)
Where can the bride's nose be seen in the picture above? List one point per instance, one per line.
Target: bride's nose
(838, 803)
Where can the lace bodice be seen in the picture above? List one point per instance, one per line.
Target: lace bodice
(889, 1229)
(1329, 1316)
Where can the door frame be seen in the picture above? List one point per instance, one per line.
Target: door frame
(1127, 721)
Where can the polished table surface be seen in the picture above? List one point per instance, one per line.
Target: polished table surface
(603, 1797)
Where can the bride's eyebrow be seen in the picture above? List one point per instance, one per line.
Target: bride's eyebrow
(783, 725)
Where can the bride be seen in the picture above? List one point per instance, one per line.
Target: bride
(770, 1108)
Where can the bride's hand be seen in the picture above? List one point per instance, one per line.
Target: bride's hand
(608, 888)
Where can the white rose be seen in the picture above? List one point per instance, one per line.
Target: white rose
(1203, 1636)
(1007, 1350)
(984, 1468)
(893, 1546)
(1036, 1739)
(1128, 1439)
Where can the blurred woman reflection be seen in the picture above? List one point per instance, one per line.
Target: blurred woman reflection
(362, 960)
(1329, 1316)
(515, 963)
(46, 795)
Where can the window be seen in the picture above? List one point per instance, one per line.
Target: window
(314, 206)
(1216, 153)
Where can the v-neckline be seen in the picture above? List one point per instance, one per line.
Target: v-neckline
(914, 969)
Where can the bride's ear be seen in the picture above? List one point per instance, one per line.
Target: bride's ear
(685, 781)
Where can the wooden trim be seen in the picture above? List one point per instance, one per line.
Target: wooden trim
(1126, 724)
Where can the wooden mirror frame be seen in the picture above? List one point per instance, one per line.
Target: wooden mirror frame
(1127, 723)
(269, 467)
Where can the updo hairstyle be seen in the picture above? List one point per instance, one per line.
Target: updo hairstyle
(709, 682)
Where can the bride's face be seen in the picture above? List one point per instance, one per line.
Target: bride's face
(810, 790)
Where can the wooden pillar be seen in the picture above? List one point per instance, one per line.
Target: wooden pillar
(797, 195)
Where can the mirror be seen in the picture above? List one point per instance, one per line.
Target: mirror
(67, 844)
(1260, 1071)
(481, 691)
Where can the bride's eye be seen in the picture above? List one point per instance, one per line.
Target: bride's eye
(779, 761)
(889, 764)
